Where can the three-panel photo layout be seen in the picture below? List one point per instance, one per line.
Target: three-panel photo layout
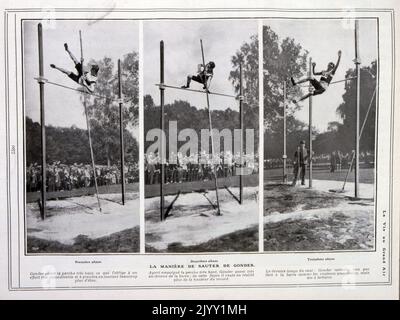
(200, 136)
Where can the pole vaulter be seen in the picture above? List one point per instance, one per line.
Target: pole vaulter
(42, 81)
(162, 86)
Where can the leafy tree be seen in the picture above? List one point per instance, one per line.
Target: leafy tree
(104, 112)
(247, 56)
(148, 101)
(281, 59)
(347, 110)
(69, 145)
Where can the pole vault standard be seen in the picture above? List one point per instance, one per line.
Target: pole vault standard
(284, 156)
(353, 153)
(241, 115)
(357, 62)
(161, 149)
(89, 134)
(41, 82)
(310, 155)
(211, 135)
(121, 134)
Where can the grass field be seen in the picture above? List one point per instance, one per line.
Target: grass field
(303, 219)
(124, 241)
(367, 175)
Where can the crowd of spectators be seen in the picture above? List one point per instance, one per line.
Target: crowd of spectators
(197, 167)
(65, 177)
(336, 160)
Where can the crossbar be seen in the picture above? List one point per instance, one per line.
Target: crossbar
(44, 80)
(194, 90)
(352, 78)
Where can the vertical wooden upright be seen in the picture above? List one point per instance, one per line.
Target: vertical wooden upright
(211, 134)
(241, 111)
(80, 43)
(284, 156)
(42, 123)
(121, 133)
(161, 149)
(310, 137)
(357, 118)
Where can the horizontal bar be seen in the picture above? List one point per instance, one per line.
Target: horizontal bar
(193, 90)
(43, 80)
(352, 78)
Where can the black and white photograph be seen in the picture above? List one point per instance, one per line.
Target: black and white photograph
(81, 133)
(202, 151)
(320, 105)
(201, 120)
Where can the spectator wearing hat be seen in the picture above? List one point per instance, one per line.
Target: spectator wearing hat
(300, 162)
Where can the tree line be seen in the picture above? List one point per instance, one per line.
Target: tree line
(71, 145)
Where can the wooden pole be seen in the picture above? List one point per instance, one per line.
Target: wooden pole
(42, 123)
(80, 43)
(357, 118)
(211, 134)
(284, 156)
(91, 153)
(89, 133)
(161, 149)
(310, 177)
(241, 111)
(121, 133)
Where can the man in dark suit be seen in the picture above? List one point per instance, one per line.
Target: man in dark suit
(300, 162)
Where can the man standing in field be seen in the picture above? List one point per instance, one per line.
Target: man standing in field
(300, 162)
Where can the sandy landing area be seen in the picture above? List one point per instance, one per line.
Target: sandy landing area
(193, 220)
(316, 219)
(68, 218)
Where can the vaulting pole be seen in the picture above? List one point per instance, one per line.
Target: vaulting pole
(284, 156)
(121, 133)
(310, 177)
(42, 123)
(241, 111)
(211, 134)
(80, 43)
(357, 119)
(89, 133)
(91, 153)
(161, 149)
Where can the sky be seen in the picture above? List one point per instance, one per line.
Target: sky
(323, 39)
(182, 53)
(103, 38)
